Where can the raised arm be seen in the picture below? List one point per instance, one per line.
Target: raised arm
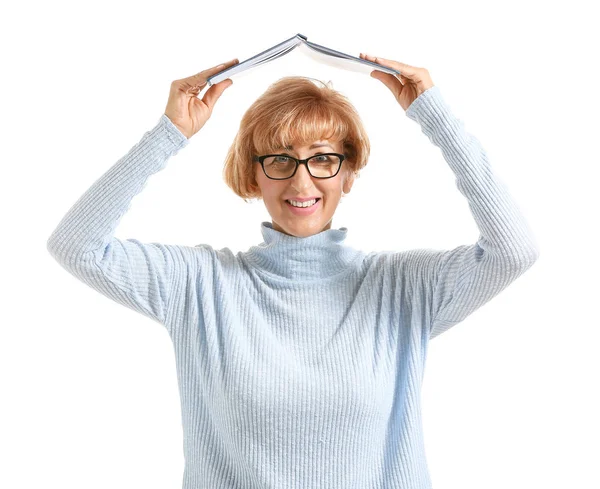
(132, 273)
(468, 276)
(137, 275)
(459, 281)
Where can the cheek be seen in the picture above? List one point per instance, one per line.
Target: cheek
(270, 193)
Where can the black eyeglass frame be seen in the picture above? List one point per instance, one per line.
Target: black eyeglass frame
(261, 159)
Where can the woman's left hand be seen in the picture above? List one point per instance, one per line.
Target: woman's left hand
(407, 86)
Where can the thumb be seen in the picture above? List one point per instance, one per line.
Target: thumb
(388, 80)
(213, 93)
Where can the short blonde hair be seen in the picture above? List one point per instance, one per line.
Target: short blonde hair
(293, 110)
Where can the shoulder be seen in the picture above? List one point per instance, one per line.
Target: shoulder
(414, 262)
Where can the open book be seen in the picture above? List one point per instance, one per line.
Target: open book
(315, 51)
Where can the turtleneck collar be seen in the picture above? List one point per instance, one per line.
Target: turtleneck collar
(311, 258)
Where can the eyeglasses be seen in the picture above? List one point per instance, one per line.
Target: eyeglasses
(281, 167)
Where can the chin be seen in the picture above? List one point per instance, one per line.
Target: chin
(305, 232)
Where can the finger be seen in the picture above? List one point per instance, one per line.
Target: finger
(214, 92)
(199, 79)
(390, 81)
(216, 69)
(376, 73)
(407, 71)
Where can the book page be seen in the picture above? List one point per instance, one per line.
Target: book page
(341, 60)
(265, 56)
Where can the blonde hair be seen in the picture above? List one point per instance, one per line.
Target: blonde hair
(293, 109)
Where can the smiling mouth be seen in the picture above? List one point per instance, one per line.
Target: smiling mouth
(304, 207)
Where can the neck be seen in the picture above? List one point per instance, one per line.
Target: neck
(302, 259)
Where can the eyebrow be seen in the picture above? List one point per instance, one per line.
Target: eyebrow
(316, 145)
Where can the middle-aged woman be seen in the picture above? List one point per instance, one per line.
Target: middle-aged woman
(300, 360)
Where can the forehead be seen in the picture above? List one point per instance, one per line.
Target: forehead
(317, 144)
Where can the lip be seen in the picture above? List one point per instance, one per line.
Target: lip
(303, 199)
(304, 211)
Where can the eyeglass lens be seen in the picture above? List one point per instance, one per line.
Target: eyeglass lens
(322, 166)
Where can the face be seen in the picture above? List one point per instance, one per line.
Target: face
(302, 185)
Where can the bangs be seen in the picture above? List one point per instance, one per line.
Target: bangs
(294, 111)
(299, 125)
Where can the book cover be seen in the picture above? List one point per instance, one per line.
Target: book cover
(317, 52)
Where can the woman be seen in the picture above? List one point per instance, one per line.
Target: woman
(300, 360)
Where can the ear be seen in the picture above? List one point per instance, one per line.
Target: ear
(349, 181)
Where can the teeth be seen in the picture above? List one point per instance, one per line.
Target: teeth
(308, 203)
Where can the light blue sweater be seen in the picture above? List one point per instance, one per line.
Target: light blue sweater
(300, 361)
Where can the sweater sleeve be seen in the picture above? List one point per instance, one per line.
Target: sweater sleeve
(461, 280)
(134, 274)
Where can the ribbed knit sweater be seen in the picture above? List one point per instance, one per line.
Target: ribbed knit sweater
(300, 361)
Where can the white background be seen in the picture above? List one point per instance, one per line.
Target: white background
(89, 389)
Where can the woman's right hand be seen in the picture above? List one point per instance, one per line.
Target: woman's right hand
(185, 110)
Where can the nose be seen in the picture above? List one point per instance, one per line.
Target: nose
(302, 178)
